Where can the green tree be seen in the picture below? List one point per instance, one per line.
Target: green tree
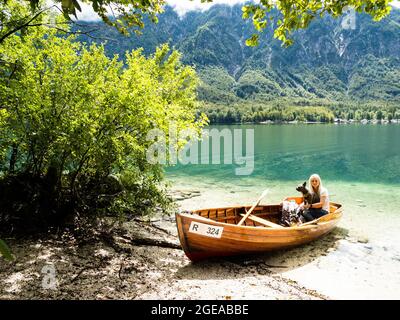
(18, 17)
(297, 14)
(74, 125)
(291, 14)
(126, 13)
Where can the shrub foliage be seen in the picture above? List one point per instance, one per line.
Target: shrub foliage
(73, 126)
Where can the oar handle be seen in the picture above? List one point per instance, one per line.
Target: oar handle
(253, 207)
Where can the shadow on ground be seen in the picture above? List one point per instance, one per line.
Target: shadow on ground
(274, 262)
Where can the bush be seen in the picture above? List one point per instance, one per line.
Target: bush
(73, 127)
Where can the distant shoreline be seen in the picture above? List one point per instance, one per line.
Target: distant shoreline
(336, 121)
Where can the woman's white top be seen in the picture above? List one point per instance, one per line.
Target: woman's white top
(324, 193)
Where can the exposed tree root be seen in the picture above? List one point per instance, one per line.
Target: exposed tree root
(152, 242)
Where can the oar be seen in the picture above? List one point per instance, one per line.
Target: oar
(254, 205)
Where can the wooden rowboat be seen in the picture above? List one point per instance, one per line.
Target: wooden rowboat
(214, 232)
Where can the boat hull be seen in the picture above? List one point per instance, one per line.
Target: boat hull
(239, 240)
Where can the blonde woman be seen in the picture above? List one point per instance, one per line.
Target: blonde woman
(320, 199)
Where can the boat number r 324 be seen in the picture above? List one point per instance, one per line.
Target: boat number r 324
(206, 229)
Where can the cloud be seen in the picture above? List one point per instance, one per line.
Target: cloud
(87, 13)
(396, 3)
(183, 6)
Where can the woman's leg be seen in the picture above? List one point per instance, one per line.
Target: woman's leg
(318, 213)
(307, 215)
(312, 214)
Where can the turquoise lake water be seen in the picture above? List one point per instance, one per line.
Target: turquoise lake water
(359, 164)
(353, 153)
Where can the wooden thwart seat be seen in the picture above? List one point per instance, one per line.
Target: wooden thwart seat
(262, 221)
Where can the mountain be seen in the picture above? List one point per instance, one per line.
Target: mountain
(326, 61)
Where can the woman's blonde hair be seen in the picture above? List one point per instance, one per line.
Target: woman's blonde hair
(315, 176)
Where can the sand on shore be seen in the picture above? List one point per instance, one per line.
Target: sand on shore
(59, 269)
(337, 266)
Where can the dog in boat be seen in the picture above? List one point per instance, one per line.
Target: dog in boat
(306, 194)
(291, 211)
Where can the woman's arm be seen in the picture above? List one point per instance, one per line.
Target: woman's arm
(319, 205)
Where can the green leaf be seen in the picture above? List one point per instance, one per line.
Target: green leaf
(5, 251)
(252, 41)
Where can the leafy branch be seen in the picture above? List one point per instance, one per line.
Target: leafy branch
(5, 251)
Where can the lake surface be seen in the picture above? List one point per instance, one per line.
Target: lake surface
(359, 165)
(353, 153)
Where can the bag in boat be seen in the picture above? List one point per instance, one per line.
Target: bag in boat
(291, 214)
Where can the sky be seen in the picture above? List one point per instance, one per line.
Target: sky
(181, 7)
